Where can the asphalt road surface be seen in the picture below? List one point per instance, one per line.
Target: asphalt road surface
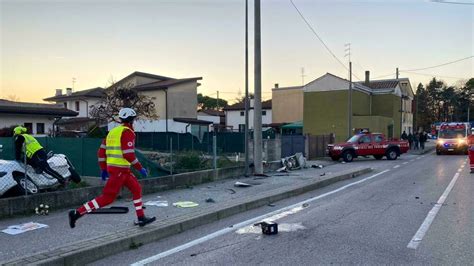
(417, 210)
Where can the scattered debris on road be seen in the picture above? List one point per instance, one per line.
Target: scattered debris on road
(185, 204)
(210, 200)
(241, 184)
(22, 228)
(42, 209)
(231, 191)
(268, 228)
(157, 203)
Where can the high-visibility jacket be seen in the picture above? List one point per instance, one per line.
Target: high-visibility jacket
(31, 145)
(113, 148)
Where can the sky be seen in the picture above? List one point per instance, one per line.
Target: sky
(45, 44)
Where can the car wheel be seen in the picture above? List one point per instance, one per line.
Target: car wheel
(378, 157)
(392, 154)
(438, 152)
(25, 185)
(75, 177)
(348, 156)
(335, 158)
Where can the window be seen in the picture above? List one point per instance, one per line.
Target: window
(65, 104)
(264, 112)
(39, 128)
(29, 127)
(378, 138)
(78, 105)
(242, 113)
(364, 139)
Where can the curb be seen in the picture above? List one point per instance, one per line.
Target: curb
(86, 251)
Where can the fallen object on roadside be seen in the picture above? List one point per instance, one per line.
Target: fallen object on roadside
(293, 162)
(268, 228)
(110, 210)
(185, 204)
(319, 166)
(210, 200)
(22, 228)
(241, 184)
(157, 203)
(42, 209)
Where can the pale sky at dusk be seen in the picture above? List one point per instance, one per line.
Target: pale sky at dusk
(44, 44)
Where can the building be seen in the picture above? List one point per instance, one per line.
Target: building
(175, 101)
(39, 119)
(285, 98)
(377, 105)
(215, 116)
(235, 115)
(81, 102)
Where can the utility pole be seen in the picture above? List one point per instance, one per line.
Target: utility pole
(302, 76)
(350, 101)
(257, 122)
(246, 101)
(397, 73)
(217, 104)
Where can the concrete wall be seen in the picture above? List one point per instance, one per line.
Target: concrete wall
(159, 98)
(7, 120)
(182, 100)
(376, 124)
(284, 100)
(234, 118)
(388, 105)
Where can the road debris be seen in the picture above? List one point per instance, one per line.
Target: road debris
(210, 200)
(241, 184)
(157, 203)
(185, 204)
(22, 228)
(231, 191)
(42, 209)
(318, 166)
(268, 228)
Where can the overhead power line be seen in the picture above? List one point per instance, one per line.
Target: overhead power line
(444, 64)
(451, 2)
(320, 39)
(431, 75)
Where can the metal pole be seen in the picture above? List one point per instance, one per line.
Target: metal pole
(214, 152)
(246, 101)
(257, 127)
(397, 73)
(171, 156)
(349, 129)
(217, 104)
(25, 184)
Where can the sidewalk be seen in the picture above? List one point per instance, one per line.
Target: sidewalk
(100, 235)
(429, 146)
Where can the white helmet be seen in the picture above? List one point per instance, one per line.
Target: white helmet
(127, 113)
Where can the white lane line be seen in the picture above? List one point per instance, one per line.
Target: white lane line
(405, 162)
(396, 166)
(245, 223)
(418, 237)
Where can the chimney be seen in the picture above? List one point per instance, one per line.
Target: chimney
(276, 85)
(59, 92)
(367, 78)
(68, 91)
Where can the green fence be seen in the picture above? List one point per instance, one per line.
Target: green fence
(82, 152)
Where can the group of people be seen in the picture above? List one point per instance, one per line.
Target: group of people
(417, 140)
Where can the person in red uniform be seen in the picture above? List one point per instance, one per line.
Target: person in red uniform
(470, 142)
(116, 155)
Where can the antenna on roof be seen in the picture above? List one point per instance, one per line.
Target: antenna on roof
(73, 82)
(302, 76)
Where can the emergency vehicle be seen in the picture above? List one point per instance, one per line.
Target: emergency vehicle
(367, 144)
(452, 138)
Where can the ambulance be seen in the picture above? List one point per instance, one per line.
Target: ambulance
(452, 138)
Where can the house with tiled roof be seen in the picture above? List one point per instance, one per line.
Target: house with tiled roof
(175, 101)
(377, 105)
(39, 119)
(235, 115)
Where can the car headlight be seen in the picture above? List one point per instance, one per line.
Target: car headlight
(2, 174)
(462, 141)
(440, 142)
(338, 148)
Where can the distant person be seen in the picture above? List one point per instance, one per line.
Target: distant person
(404, 135)
(416, 140)
(423, 139)
(410, 140)
(116, 156)
(35, 153)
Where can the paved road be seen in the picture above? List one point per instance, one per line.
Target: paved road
(372, 221)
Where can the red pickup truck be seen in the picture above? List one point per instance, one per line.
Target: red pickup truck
(366, 144)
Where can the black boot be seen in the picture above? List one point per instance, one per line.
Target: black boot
(142, 221)
(73, 217)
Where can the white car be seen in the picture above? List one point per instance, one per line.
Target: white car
(12, 175)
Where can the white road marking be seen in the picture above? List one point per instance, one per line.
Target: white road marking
(283, 227)
(246, 223)
(405, 162)
(396, 166)
(418, 237)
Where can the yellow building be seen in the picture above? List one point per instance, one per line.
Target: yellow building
(287, 104)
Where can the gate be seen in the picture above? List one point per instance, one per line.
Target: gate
(317, 146)
(291, 144)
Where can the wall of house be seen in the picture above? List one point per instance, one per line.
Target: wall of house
(84, 107)
(235, 118)
(378, 124)
(326, 112)
(282, 101)
(7, 120)
(159, 100)
(182, 100)
(156, 126)
(388, 105)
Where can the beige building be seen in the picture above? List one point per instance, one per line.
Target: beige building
(287, 104)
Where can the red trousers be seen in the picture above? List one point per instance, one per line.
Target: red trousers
(471, 157)
(119, 177)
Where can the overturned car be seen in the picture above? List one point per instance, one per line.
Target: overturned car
(13, 180)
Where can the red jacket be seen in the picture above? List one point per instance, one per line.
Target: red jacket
(470, 140)
(128, 148)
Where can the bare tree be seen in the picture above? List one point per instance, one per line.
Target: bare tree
(119, 97)
(13, 98)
